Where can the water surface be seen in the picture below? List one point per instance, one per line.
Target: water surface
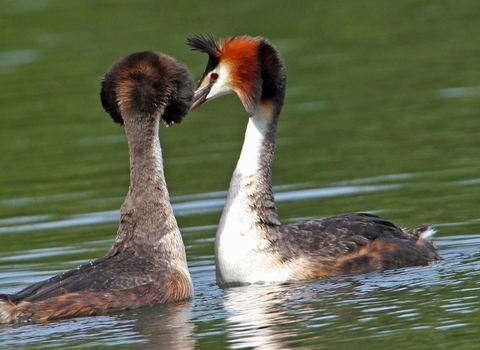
(381, 116)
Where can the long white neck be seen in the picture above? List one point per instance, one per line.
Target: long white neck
(250, 210)
(250, 163)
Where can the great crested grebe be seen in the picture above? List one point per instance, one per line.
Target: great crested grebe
(251, 245)
(147, 264)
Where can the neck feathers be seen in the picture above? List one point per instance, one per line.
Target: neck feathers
(251, 193)
(147, 218)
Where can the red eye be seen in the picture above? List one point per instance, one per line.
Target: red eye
(213, 76)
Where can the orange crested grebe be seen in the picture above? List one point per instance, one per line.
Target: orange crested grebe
(251, 245)
(147, 264)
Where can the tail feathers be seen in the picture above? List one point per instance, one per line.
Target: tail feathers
(5, 307)
(423, 234)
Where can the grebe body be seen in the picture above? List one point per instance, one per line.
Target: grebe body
(147, 264)
(251, 245)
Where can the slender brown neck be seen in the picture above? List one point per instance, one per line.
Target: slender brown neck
(147, 218)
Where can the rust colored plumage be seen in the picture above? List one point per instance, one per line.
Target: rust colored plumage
(384, 254)
(241, 56)
(92, 301)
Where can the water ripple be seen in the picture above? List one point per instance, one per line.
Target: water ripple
(212, 202)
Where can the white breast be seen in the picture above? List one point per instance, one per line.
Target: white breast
(239, 243)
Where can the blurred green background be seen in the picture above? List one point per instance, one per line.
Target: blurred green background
(379, 93)
(366, 98)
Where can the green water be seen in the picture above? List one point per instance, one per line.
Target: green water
(379, 93)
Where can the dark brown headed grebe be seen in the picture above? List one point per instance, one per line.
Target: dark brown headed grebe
(251, 245)
(147, 263)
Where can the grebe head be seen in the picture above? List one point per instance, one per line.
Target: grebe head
(250, 67)
(147, 84)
